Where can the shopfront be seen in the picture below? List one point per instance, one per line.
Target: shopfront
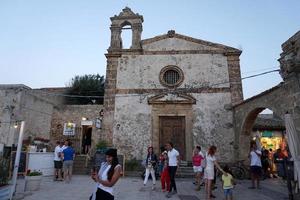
(271, 139)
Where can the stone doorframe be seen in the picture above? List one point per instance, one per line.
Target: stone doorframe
(180, 106)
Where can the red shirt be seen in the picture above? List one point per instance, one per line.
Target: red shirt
(197, 160)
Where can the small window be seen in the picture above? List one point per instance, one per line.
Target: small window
(171, 76)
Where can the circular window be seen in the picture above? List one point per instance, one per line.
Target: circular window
(171, 76)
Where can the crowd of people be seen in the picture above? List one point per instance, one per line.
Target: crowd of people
(167, 163)
(203, 165)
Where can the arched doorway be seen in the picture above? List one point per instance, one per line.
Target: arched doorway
(264, 127)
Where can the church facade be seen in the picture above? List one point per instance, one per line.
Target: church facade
(169, 88)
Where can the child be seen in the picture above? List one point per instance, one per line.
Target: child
(197, 158)
(228, 183)
(165, 177)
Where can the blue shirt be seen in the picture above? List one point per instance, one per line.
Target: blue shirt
(68, 153)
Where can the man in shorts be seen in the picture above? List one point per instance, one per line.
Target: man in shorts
(58, 161)
(255, 165)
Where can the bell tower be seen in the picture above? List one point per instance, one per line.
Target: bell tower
(126, 18)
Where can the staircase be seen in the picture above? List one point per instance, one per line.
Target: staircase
(79, 166)
(185, 170)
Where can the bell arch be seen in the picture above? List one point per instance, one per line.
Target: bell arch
(126, 20)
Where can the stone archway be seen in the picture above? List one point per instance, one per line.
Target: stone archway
(281, 99)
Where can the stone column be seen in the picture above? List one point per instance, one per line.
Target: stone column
(136, 36)
(116, 41)
(236, 89)
(109, 97)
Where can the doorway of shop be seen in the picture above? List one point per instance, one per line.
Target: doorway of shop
(86, 139)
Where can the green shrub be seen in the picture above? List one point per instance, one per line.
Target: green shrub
(33, 173)
(101, 144)
(132, 165)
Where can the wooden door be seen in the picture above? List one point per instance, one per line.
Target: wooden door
(173, 129)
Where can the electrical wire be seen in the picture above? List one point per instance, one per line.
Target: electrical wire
(125, 95)
(177, 90)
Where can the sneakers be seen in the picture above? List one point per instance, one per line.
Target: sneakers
(153, 187)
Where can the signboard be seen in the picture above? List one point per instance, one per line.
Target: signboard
(98, 123)
(86, 123)
(267, 134)
(69, 129)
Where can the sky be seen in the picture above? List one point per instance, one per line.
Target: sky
(44, 43)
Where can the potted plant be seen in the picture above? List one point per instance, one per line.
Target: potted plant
(101, 146)
(5, 188)
(33, 180)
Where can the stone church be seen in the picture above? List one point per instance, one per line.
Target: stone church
(170, 87)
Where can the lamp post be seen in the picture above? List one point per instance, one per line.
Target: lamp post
(17, 160)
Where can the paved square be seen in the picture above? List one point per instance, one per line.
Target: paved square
(130, 188)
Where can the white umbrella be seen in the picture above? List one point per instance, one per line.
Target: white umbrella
(293, 143)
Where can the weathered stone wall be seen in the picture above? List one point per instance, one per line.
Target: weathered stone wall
(132, 126)
(9, 106)
(19, 103)
(207, 123)
(74, 114)
(37, 113)
(200, 70)
(213, 123)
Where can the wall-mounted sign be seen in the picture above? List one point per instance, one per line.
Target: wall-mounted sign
(267, 134)
(86, 123)
(69, 129)
(98, 123)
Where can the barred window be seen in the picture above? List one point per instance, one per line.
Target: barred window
(171, 76)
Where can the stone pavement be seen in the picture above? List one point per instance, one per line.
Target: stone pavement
(130, 188)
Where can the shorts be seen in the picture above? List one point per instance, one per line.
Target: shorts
(209, 173)
(256, 170)
(228, 192)
(197, 169)
(68, 164)
(58, 164)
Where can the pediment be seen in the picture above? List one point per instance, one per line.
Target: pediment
(177, 42)
(172, 98)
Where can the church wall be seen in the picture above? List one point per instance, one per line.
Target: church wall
(213, 123)
(132, 126)
(142, 71)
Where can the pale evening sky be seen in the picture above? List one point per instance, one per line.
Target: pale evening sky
(44, 43)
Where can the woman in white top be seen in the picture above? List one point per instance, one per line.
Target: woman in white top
(106, 178)
(209, 172)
